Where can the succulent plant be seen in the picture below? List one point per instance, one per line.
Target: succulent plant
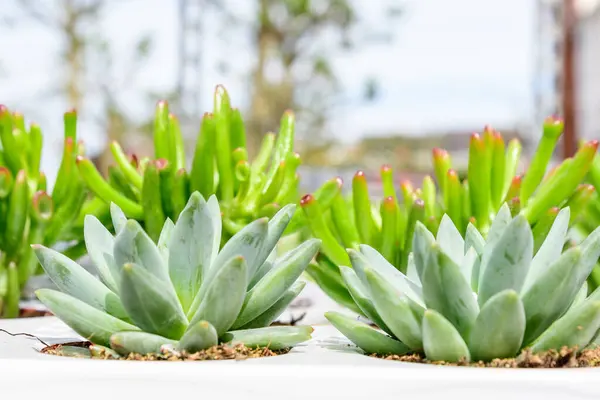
(28, 214)
(182, 291)
(388, 225)
(152, 190)
(475, 299)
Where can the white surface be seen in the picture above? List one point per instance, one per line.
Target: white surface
(325, 367)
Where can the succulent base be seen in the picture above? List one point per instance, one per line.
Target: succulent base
(219, 352)
(565, 358)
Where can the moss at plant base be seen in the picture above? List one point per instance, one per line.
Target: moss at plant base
(564, 358)
(219, 352)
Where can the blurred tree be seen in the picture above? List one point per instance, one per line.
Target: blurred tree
(88, 62)
(294, 42)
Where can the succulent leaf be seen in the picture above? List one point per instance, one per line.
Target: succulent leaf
(275, 338)
(192, 248)
(368, 339)
(150, 303)
(509, 261)
(396, 311)
(441, 341)
(499, 328)
(142, 343)
(221, 311)
(74, 280)
(447, 291)
(87, 321)
(199, 336)
(99, 243)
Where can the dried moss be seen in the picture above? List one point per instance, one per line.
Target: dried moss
(563, 358)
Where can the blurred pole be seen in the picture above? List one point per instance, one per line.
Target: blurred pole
(569, 97)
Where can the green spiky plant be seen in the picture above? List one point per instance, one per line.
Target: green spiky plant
(183, 291)
(474, 299)
(28, 214)
(491, 180)
(152, 190)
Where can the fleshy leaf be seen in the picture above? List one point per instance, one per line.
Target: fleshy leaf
(422, 241)
(283, 275)
(441, 341)
(142, 343)
(164, 239)
(499, 328)
(395, 277)
(450, 240)
(508, 262)
(118, 217)
(224, 297)
(474, 239)
(134, 246)
(447, 291)
(551, 249)
(191, 249)
(200, 336)
(266, 318)
(546, 299)
(99, 244)
(74, 280)
(396, 311)
(361, 297)
(150, 303)
(89, 322)
(273, 337)
(276, 227)
(576, 328)
(370, 340)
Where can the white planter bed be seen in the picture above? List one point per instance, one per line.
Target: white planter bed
(325, 367)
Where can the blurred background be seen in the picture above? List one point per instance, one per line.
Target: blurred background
(371, 82)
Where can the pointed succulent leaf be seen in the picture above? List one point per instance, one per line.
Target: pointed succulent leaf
(447, 291)
(396, 311)
(201, 335)
(576, 328)
(150, 303)
(134, 246)
(370, 340)
(273, 337)
(422, 241)
(142, 343)
(411, 269)
(263, 269)
(546, 299)
(499, 328)
(283, 275)
(499, 224)
(99, 244)
(590, 252)
(441, 340)
(509, 261)
(474, 239)
(276, 227)
(74, 280)
(224, 297)
(581, 295)
(361, 297)
(164, 239)
(266, 318)
(397, 278)
(191, 248)
(248, 243)
(450, 240)
(87, 321)
(551, 249)
(118, 217)
(470, 260)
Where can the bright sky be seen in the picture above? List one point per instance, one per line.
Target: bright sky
(455, 64)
